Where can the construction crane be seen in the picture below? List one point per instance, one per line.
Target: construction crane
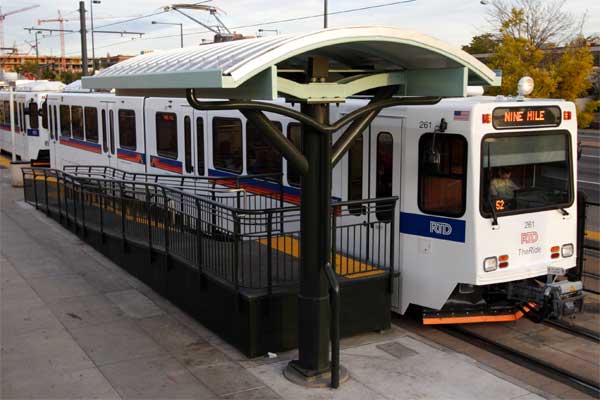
(61, 21)
(222, 33)
(3, 17)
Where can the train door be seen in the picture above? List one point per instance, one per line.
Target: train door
(385, 161)
(193, 142)
(107, 119)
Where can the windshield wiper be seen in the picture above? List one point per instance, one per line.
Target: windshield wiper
(563, 212)
(494, 216)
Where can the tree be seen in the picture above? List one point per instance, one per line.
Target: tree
(526, 47)
(545, 23)
(482, 44)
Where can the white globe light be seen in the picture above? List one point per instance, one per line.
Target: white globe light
(525, 86)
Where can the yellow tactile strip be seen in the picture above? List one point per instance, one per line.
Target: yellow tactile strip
(343, 265)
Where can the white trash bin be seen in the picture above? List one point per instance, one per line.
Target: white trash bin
(16, 176)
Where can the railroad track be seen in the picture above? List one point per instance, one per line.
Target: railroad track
(574, 330)
(567, 377)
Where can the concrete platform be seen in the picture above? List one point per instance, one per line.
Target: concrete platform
(74, 325)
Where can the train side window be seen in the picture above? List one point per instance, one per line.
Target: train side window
(261, 157)
(127, 139)
(355, 174)
(65, 120)
(294, 134)
(187, 139)
(91, 124)
(34, 118)
(384, 173)
(6, 114)
(77, 122)
(104, 138)
(227, 144)
(111, 126)
(166, 134)
(45, 114)
(442, 174)
(200, 145)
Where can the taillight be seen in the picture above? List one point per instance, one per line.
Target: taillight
(567, 115)
(503, 261)
(554, 252)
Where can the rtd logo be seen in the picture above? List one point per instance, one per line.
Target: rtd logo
(441, 228)
(529, 237)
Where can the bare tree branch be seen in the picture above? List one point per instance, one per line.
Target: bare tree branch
(545, 23)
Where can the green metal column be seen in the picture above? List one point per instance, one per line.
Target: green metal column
(313, 300)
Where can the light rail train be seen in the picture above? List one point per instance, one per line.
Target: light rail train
(31, 129)
(487, 212)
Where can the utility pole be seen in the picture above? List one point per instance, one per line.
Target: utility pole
(37, 52)
(92, 2)
(324, 13)
(84, 59)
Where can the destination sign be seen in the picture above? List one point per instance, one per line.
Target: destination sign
(519, 117)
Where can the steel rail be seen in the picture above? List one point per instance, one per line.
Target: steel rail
(577, 382)
(574, 330)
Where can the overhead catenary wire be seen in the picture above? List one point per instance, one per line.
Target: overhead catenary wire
(293, 19)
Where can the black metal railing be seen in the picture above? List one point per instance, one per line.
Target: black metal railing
(588, 244)
(240, 238)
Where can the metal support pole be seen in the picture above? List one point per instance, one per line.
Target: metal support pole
(92, 32)
(313, 300)
(181, 34)
(83, 31)
(324, 13)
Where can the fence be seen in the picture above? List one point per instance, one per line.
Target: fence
(247, 240)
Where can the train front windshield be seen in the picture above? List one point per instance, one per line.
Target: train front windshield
(526, 172)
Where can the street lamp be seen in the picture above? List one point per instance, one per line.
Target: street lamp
(172, 23)
(92, 2)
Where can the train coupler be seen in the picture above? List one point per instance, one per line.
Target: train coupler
(552, 300)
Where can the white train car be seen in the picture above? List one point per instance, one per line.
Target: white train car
(31, 128)
(467, 230)
(487, 211)
(97, 128)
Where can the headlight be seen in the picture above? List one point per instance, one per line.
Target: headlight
(567, 250)
(490, 264)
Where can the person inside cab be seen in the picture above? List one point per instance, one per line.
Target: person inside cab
(503, 188)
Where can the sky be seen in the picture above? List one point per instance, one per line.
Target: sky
(453, 21)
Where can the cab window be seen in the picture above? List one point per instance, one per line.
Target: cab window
(166, 134)
(442, 174)
(127, 138)
(227, 144)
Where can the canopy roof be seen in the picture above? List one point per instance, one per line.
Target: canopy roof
(360, 58)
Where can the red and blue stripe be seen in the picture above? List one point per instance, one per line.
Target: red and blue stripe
(80, 144)
(132, 156)
(166, 164)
